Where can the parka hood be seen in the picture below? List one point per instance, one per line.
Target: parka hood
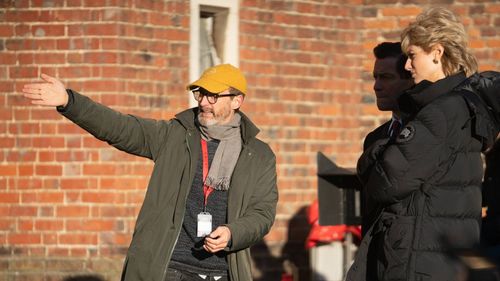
(482, 95)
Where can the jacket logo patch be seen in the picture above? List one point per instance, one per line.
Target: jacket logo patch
(406, 134)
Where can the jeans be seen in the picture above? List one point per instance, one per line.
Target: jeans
(176, 275)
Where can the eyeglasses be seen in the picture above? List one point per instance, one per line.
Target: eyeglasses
(212, 98)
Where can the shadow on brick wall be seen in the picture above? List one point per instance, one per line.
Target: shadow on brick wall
(294, 253)
(84, 278)
(293, 258)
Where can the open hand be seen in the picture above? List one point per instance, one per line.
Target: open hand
(217, 240)
(49, 93)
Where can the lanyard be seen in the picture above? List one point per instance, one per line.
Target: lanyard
(206, 189)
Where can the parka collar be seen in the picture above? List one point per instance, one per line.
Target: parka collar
(248, 128)
(425, 92)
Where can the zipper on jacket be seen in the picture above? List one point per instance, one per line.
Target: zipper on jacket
(182, 221)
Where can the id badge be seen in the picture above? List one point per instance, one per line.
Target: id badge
(204, 224)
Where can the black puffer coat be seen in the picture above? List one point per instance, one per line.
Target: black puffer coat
(428, 180)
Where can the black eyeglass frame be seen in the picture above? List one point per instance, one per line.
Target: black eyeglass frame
(212, 98)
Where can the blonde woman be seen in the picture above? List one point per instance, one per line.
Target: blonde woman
(428, 178)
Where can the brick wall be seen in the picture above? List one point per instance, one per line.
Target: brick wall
(68, 202)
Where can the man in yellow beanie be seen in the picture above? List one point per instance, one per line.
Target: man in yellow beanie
(212, 193)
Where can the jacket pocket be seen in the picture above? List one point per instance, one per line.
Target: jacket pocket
(397, 243)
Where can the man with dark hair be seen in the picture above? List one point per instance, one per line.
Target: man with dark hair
(391, 80)
(212, 193)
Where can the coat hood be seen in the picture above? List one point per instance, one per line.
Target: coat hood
(487, 85)
(482, 95)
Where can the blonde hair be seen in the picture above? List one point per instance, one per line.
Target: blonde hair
(441, 26)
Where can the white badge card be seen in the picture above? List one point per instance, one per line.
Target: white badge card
(204, 224)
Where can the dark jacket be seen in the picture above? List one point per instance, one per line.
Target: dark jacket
(174, 146)
(381, 132)
(370, 209)
(428, 180)
(490, 232)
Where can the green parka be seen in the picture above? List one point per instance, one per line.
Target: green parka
(174, 146)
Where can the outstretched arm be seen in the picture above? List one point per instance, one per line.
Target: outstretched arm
(129, 133)
(49, 93)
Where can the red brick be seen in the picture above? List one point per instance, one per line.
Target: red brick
(25, 225)
(6, 86)
(26, 183)
(24, 128)
(19, 238)
(493, 8)
(401, 11)
(45, 114)
(102, 29)
(79, 252)
(48, 170)
(6, 30)
(49, 225)
(53, 58)
(48, 30)
(23, 72)
(72, 197)
(50, 197)
(72, 211)
(48, 239)
(50, 183)
(22, 211)
(7, 142)
(58, 252)
(99, 169)
(46, 156)
(102, 197)
(117, 238)
(90, 225)
(46, 211)
(135, 198)
(7, 224)
(114, 211)
(45, 197)
(26, 170)
(48, 142)
(101, 58)
(19, 115)
(75, 156)
(76, 183)
(75, 239)
(74, 142)
(8, 170)
(119, 183)
(27, 58)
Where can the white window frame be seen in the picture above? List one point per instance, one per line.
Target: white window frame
(231, 42)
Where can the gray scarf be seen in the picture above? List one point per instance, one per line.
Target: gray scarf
(228, 151)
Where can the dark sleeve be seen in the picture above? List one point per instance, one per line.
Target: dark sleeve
(129, 133)
(379, 133)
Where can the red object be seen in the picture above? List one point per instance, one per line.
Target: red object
(328, 233)
(286, 277)
(206, 189)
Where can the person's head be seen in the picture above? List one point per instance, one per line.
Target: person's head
(391, 78)
(436, 45)
(219, 91)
